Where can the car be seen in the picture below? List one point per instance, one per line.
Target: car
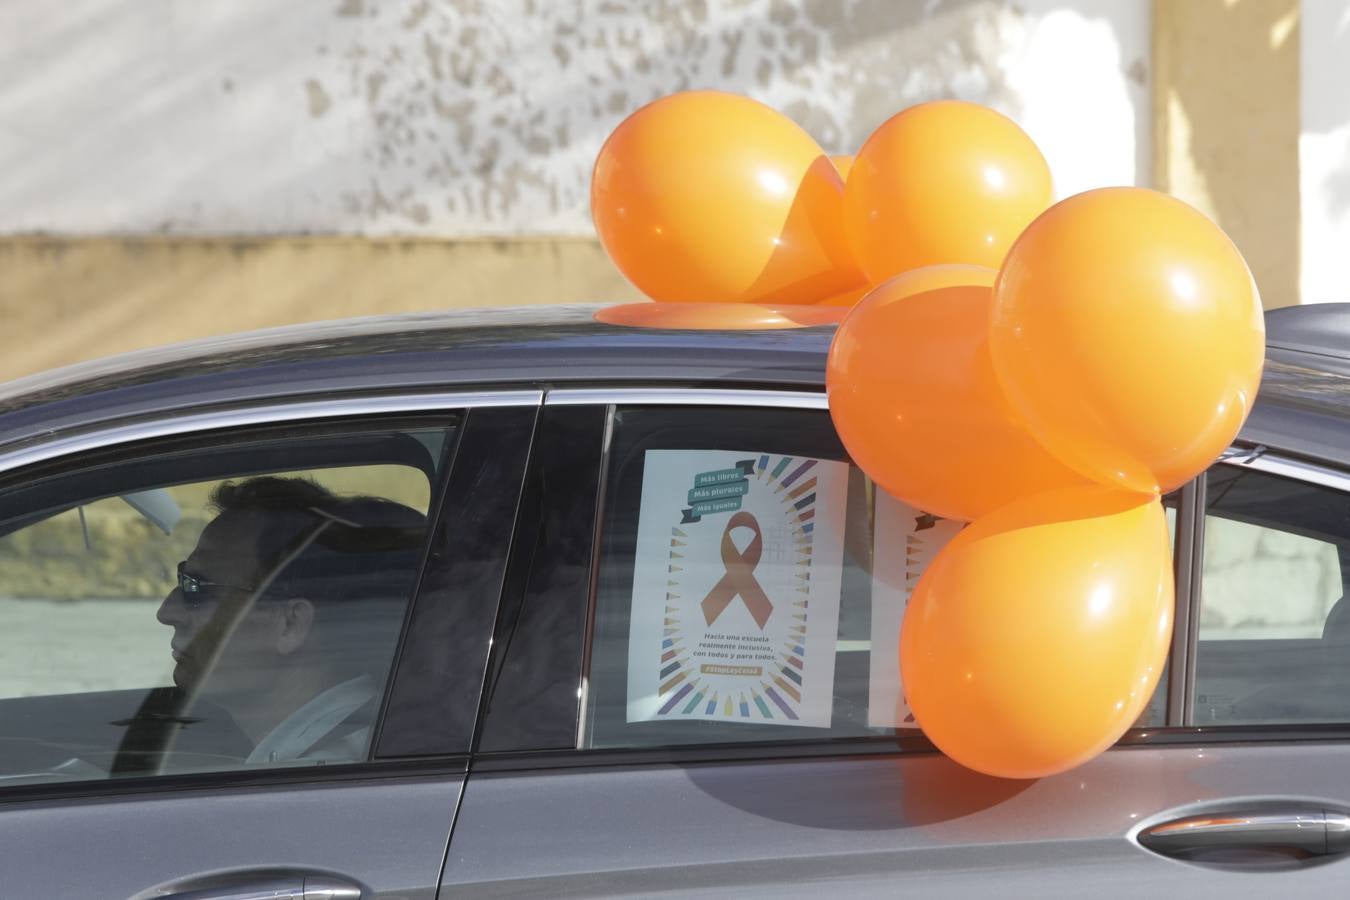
(456, 604)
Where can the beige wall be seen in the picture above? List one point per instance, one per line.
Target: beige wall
(69, 299)
(1226, 125)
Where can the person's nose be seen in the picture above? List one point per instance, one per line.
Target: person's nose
(172, 611)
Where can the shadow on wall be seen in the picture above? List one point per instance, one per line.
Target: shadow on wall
(517, 107)
(504, 98)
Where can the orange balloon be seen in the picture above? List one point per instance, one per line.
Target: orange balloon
(1128, 333)
(717, 316)
(930, 278)
(814, 314)
(847, 298)
(919, 280)
(913, 396)
(1036, 637)
(842, 164)
(710, 197)
(943, 182)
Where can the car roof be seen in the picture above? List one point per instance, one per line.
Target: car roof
(1322, 329)
(1307, 367)
(502, 347)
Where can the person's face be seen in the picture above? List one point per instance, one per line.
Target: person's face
(225, 639)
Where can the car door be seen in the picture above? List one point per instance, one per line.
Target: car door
(597, 773)
(243, 649)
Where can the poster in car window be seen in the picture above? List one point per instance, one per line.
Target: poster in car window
(736, 588)
(905, 541)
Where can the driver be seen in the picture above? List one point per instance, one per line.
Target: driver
(287, 612)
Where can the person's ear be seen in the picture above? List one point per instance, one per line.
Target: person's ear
(297, 618)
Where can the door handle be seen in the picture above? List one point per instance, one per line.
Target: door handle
(273, 885)
(1297, 831)
(274, 888)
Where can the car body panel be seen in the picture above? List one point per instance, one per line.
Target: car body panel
(128, 845)
(382, 826)
(908, 825)
(694, 821)
(513, 347)
(876, 823)
(414, 353)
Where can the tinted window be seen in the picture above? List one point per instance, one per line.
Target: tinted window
(1274, 630)
(751, 584)
(216, 606)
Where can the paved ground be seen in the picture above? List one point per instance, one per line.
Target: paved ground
(54, 647)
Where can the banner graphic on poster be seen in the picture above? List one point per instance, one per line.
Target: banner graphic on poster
(736, 588)
(905, 540)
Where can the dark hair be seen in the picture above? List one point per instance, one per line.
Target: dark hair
(270, 492)
(311, 542)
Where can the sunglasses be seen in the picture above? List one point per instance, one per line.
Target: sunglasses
(197, 591)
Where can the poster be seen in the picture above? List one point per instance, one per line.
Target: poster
(905, 542)
(736, 588)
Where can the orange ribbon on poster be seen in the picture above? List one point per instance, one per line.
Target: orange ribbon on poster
(739, 579)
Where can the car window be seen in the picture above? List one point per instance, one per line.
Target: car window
(1274, 639)
(751, 584)
(231, 603)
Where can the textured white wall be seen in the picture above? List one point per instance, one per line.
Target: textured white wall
(466, 117)
(1324, 150)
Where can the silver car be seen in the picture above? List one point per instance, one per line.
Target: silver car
(466, 605)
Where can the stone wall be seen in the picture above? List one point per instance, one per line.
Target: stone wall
(467, 118)
(1262, 583)
(180, 168)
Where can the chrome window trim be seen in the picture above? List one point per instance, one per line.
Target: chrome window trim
(1263, 460)
(1188, 571)
(305, 410)
(592, 592)
(1257, 459)
(615, 397)
(687, 397)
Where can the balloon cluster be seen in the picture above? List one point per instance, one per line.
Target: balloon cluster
(707, 197)
(1045, 372)
(1112, 357)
